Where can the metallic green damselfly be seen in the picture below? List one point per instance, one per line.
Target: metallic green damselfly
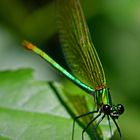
(86, 69)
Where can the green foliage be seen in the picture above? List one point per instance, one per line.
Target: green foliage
(32, 110)
(29, 109)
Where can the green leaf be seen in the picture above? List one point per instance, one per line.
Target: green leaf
(29, 109)
(36, 110)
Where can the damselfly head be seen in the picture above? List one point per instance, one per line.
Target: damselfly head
(114, 111)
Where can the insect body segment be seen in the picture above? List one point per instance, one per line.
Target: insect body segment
(103, 97)
(54, 64)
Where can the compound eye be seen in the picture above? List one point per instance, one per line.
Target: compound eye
(106, 109)
(120, 108)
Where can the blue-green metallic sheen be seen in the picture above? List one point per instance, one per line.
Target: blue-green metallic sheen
(103, 97)
(62, 70)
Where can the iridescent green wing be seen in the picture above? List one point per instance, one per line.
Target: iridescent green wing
(77, 45)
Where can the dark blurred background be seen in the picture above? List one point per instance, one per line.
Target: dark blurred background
(115, 29)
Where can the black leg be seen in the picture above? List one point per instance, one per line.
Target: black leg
(119, 131)
(109, 123)
(89, 125)
(76, 118)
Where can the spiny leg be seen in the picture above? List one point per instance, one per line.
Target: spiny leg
(119, 131)
(89, 125)
(76, 118)
(98, 123)
(109, 123)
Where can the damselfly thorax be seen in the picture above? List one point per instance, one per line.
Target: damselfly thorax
(104, 104)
